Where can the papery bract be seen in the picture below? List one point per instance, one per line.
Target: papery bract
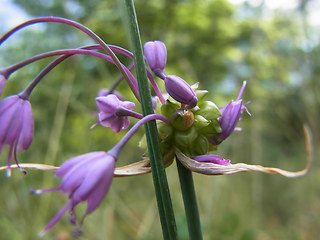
(111, 112)
(16, 125)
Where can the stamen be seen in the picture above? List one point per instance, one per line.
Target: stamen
(16, 160)
(40, 191)
(55, 219)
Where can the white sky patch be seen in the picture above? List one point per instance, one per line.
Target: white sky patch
(10, 15)
(272, 4)
(286, 5)
(314, 13)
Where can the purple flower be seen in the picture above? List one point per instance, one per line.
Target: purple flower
(155, 53)
(216, 159)
(85, 178)
(16, 125)
(114, 112)
(180, 90)
(2, 82)
(231, 114)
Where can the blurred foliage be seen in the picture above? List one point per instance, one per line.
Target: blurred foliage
(210, 41)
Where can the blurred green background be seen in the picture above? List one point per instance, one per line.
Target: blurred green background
(212, 42)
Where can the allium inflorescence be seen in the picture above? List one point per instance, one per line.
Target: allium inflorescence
(190, 127)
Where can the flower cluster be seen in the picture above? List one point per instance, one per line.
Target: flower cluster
(191, 127)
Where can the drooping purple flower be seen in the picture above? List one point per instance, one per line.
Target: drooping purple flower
(114, 112)
(2, 82)
(155, 53)
(180, 90)
(16, 125)
(85, 178)
(231, 114)
(216, 159)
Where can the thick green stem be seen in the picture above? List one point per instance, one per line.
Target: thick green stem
(190, 202)
(158, 172)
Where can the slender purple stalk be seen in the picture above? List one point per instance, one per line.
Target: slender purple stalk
(79, 26)
(126, 112)
(133, 82)
(117, 148)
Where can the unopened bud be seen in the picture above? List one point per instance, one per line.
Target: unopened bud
(155, 53)
(230, 117)
(180, 90)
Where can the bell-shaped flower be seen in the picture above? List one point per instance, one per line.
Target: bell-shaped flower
(216, 159)
(155, 53)
(180, 90)
(114, 112)
(231, 114)
(85, 178)
(16, 125)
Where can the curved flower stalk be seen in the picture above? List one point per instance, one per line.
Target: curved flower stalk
(132, 81)
(77, 25)
(16, 126)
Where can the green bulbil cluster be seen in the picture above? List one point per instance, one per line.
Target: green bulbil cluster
(189, 128)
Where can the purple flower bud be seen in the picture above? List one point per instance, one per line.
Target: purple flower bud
(216, 159)
(85, 178)
(155, 53)
(231, 114)
(180, 90)
(2, 82)
(230, 117)
(114, 112)
(16, 125)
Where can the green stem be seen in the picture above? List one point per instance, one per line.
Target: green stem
(190, 202)
(158, 171)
